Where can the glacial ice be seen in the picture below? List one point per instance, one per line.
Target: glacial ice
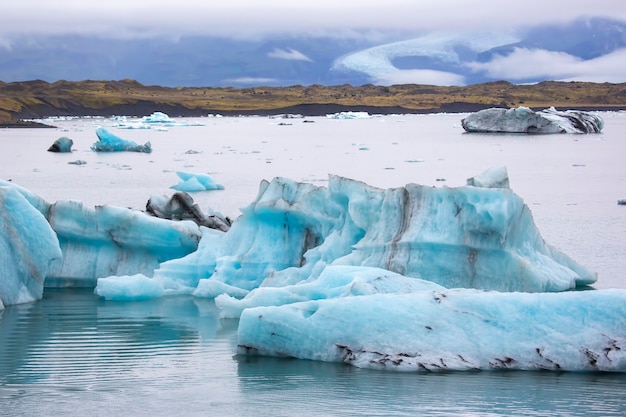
(349, 115)
(27, 247)
(109, 240)
(190, 181)
(457, 329)
(413, 278)
(108, 142)
(157, 120)
(97, 241)
(496, 177)
(62, 144)
(525, 120)
(465, 237)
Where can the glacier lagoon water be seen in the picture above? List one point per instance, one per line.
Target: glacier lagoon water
(75, 354)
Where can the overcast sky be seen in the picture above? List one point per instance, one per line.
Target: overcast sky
(244, 18)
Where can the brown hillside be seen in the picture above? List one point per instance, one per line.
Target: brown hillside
(36, 99)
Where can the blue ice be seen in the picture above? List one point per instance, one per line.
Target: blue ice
(465, 237)
(190, 181)
(108, 142)
(409, 278)
(457, 329)
(27, 247)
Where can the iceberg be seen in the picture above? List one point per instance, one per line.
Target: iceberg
(349, 115)
(465, 237)
(28, 245)
(431, 331)
(525, 120)
(108, 142)
(412, 278)
(62, 144)
(90, 242)
(180, 206)
(190, 181)
(157, 121)
(109, 240)
(496, 177)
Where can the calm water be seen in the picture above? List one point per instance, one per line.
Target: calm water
(74, 354)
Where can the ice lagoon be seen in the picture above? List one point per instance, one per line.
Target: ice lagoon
(571, 183)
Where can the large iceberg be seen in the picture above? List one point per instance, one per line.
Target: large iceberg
(412, 278)
(525, 120)
(447, 330)
(108, 142)
(465, 237)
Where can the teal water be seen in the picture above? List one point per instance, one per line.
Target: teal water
(74, 354)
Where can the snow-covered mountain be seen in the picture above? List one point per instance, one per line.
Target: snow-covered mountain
(591, 49)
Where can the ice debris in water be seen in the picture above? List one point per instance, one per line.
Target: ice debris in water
(108, 142)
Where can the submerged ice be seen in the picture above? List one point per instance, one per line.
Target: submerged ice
(412, 278)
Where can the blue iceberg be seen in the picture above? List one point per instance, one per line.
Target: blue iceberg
(190, 181)
(431, 331)
(76, 245)
(27, 246)
(412, 278)
(108, 142)
(465, 237)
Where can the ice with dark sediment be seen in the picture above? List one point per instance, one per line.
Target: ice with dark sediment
(525, 120)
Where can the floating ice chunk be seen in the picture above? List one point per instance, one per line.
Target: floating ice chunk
(496, 177)
(108, 142)
(107, 240)
(190, 181)
(157, 117)
(135, 287)
(62, 144)
(447, 330)
(349, 115)
(525, 120)
(27, 247)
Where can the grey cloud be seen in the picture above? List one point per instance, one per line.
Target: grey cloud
(247, 18)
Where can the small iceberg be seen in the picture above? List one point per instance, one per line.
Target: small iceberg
(108, 142)
(61, 145)
(349, 115)
(190, 181)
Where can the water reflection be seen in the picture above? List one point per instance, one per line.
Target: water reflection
(74, 354)
(315, 388)
(75, 338)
